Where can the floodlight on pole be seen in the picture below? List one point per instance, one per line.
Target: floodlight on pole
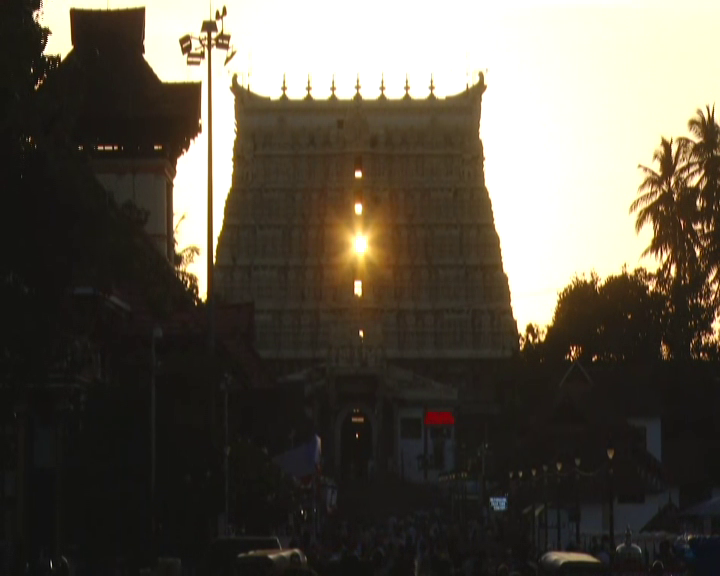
(195, 58)
(222, 41)
(186, 44)
(208, 40)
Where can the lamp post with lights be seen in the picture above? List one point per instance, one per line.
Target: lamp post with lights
(558, 465)
(545, 504)
(611, 497)
(577, 500)
(533, 472)
(195, 48)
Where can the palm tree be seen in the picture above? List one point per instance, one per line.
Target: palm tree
(667, 202)
(702, 168)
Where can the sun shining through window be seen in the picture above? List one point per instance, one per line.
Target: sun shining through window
(360, 244)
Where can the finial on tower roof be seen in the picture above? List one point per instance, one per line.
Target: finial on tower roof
(357, 96)
(407, 89)
(432, 89)
(382, 89)
(284, 89)
(333, 89)
(308, 89)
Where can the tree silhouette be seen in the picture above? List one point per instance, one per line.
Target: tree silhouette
(623, 318)
(681, 201)
(668, 203)
(702, 167)
(182, 259)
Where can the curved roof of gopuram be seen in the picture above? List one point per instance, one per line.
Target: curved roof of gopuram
(471, 96)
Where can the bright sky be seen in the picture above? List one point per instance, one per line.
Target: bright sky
(579, 92)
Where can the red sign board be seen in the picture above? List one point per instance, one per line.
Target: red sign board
(439, 418)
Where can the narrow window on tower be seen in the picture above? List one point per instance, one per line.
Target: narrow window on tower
(358, 198)
(361, 333)
(357, 289)
(358, 167)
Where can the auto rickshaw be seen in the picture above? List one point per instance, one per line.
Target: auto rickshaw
(570, 564)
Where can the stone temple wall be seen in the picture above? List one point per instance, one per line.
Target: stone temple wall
(433, 280)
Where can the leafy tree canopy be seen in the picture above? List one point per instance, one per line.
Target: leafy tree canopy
(626, 317)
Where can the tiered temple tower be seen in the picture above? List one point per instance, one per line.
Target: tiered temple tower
(363, 233)
(433, 285)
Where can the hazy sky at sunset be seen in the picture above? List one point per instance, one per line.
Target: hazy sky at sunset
(579, 93)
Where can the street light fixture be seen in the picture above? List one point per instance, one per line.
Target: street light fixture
(222, 41)
(205, 43)
(195, 58)
(186, 44)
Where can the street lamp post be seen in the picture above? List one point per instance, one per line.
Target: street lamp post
(157, 334)
(545, 505)
(558, 464)
(533, 471)
(611, 497)
(577, 500)
(209, 39)
(520, 490)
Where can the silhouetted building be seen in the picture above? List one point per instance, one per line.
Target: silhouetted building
(107, 101)
(133, 125)
(363, 232)
(658, 420)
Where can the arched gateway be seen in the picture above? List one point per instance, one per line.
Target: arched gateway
(379, 422)
(354, 433)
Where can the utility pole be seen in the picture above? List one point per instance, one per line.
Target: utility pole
(226, 457)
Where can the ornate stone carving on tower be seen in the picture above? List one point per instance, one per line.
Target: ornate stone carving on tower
(432, 285)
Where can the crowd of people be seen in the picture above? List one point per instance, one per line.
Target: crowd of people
(424, 544)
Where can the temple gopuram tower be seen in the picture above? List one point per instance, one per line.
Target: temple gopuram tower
(363, 233)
